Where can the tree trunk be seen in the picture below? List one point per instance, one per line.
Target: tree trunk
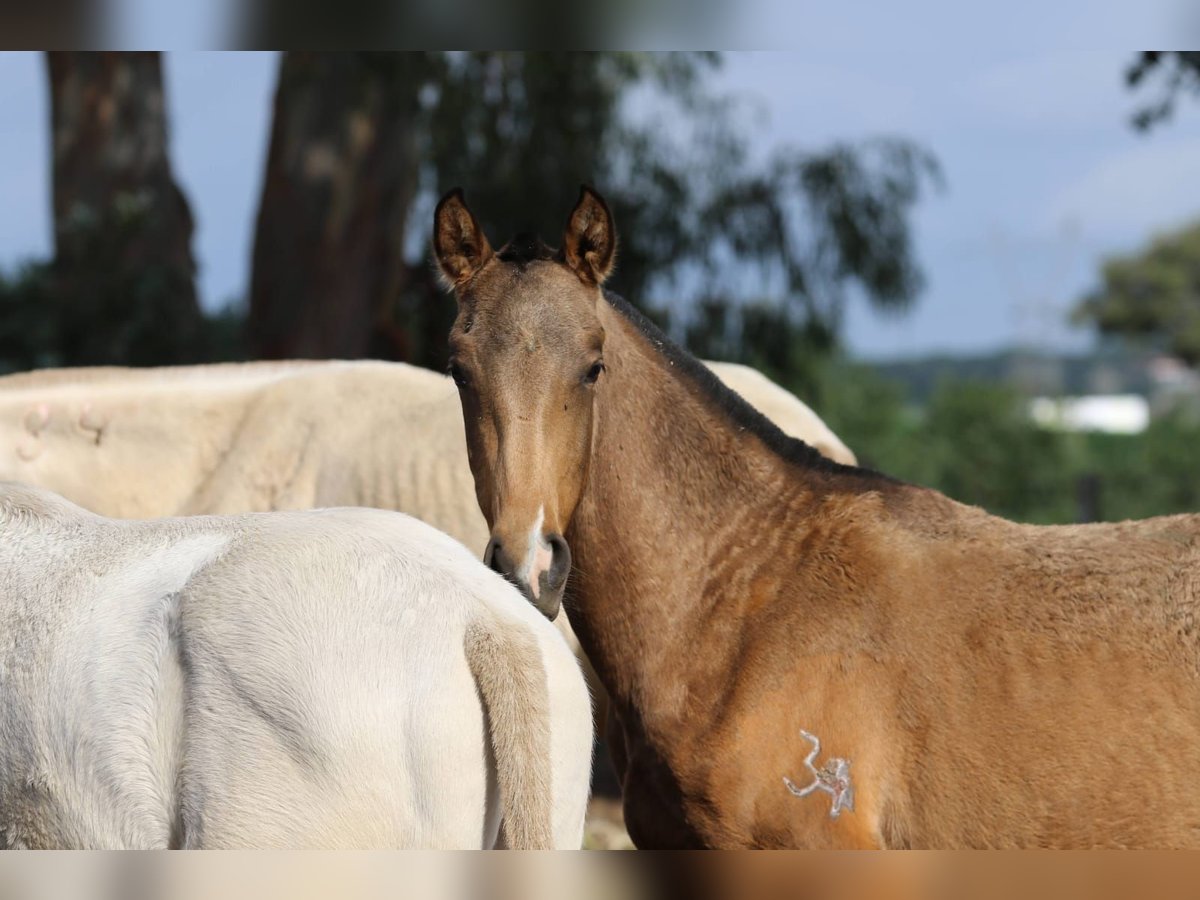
(342, 170)
(123, 263)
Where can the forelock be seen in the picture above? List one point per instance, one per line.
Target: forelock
(525, 248)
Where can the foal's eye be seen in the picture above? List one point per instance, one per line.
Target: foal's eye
(459, 376)
(593, 373)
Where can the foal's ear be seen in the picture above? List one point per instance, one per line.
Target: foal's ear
(590, 242)
(459, 243)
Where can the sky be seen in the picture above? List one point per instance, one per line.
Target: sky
(1043, 174)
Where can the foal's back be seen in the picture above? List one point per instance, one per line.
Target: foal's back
(1039, 683)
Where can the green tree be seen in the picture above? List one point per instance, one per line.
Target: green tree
(823, 222)
(361, 145)
(981, 447)
(1175, 71)
(346, 242)
(520, 131)
(1152, 295)
(120, 286)
(874, 418)
(1149, 474)
(974, 441)
(93, 308)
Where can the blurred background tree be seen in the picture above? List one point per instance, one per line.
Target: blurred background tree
(1152, 295)
(363, 144)
(120, 287)
(743, 258)
(1176, 72)
(819, 226)
(341, 176)
(975, 439)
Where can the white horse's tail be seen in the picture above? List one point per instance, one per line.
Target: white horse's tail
(506, 661)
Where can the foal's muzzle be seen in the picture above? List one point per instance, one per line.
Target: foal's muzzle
(541, 583)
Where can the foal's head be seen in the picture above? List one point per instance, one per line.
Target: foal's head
(527, 354)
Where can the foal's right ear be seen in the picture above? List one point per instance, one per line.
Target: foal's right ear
(459, 243)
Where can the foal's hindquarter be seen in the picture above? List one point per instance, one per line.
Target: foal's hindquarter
(991, 684)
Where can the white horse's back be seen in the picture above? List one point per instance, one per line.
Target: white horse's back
(290, 680)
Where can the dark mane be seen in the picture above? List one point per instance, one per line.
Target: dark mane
(525, 248)
(738, 410)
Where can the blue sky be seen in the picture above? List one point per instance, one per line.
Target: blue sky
(1043, 174)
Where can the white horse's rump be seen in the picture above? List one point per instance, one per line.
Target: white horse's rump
(336, 678)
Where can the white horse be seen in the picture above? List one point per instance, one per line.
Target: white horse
(343, 678)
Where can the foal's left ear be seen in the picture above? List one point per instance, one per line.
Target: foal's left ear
(590, 242)
(459, 243)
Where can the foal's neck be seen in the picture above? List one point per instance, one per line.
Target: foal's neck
(678, 530)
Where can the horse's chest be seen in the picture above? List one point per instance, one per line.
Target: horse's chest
(658, 813)
(661, 814)
(681, 807)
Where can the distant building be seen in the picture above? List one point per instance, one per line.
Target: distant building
(1111, 413)
(1174, 387)
(1167, 371)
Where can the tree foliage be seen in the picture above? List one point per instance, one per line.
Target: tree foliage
(975, 442)
(1152, 295)
(120, 286)
(827, 220)
(737, 254)
(521, 131)
(340, 178)
(91, 306)
(1175, 72)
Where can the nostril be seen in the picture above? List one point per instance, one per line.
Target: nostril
(491, 556)
(560, 561)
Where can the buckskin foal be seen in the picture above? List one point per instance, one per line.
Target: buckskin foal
(803, 654)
